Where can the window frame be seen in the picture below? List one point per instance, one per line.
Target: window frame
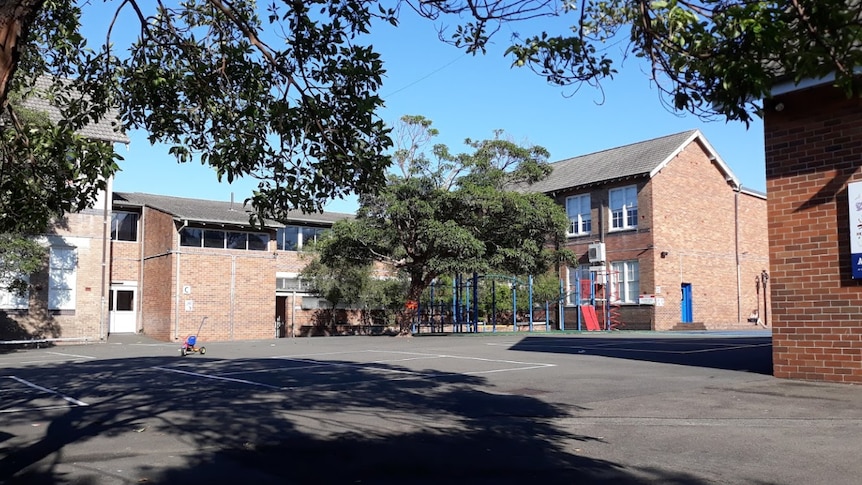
(572, 273)
(62, 278)
(625, 280)
(301, 236)
(9, 300)
(116, 222)
(578, 220)
(628, 209)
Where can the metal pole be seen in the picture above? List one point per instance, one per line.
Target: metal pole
(493, 305)
(764, 276)
(562, 305)
(514, 306)
(475, 302)
(530, 286)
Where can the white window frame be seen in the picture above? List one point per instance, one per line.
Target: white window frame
(115, 225)
(625, 201)
(625, 281)
(62, 276)
(578, 209)
(9, 300)
(572, 280)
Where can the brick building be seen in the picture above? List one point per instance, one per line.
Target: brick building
(158, 265)
(65, 300)
(813, 135)
(175, 261)
(667, 226)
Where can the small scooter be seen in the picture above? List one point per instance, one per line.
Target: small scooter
(190, 343)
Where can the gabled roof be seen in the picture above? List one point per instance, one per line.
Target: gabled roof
(215, 212)
(107, 129)
(642, 159)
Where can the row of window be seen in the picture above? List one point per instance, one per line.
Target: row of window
(124, 227)
(623, 206)
(62, 269)
(623, 278)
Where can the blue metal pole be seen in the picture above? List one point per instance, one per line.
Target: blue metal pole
(547, 316)
(454, 302)
(562, 305)
(530, 300)
(475, 302)
(578, 299)
(493, 305)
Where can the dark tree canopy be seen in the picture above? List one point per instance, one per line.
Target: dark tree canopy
(286, 91)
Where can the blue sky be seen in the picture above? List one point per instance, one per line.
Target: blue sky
(470, 97)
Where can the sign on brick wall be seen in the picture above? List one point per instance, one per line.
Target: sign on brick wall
(854, 195)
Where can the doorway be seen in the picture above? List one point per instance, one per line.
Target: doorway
(686, 305)
(121, 308)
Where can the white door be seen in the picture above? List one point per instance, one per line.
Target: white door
(122, 309)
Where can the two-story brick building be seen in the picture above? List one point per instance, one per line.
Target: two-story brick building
(158, 265)
(668, 227)
(175, 261)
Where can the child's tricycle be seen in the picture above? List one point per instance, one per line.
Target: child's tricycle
(190, 343)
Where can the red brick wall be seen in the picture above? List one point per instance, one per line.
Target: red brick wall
(695, 223)
(813, 149)
(158, 283)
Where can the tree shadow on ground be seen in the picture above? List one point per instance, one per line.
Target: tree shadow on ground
(274, 421)
(748, 354)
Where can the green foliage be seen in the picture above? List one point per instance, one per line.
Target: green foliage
(20, 256)
(448, 214)
(711, 57)
(285, 93)
(355, 285)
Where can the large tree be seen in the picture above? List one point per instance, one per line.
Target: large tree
(448, 213)
(285, 93)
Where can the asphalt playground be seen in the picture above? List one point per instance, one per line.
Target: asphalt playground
(611, 408)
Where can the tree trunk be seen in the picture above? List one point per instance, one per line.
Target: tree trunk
(16, 16)
(417, 286)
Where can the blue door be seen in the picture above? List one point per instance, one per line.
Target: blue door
(686, 309)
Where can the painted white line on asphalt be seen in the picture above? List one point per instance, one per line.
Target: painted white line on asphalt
(218, 378)
(30, 410)
(71, 355)
(513, 369)
(49, 391)
(461, 357)
(279, 369)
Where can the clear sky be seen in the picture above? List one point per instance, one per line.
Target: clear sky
(470, 97)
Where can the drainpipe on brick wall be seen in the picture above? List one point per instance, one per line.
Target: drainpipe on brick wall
(139, 315)
(736, 251)
(177, 300)
(105, 222)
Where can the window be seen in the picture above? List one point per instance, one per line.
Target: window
(9, 298)
(293, 238)
(258, 241)
(578, 210)
(580, 274)
(287, 238)
(124, 226)
(625, 281)
(210, 238)
(237, 240)
(190, 236)
(624, 207)
(310, 235)
(62, 269)
(213, 239)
